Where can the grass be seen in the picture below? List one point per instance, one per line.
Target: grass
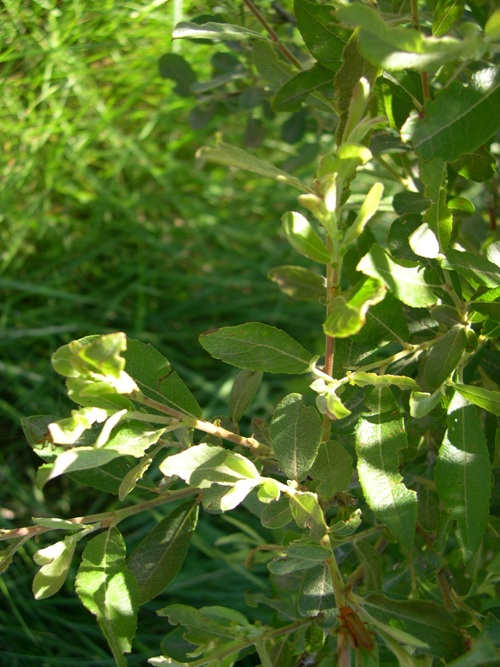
(107, 223)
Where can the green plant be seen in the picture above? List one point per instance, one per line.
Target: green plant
(394, 563)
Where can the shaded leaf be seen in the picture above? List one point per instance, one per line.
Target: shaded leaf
(427, 621)
(298, 283)
(232, 156)
(442, 359)
(476, 269)
(245, 386)
(158, 558)
(322, 34)
(293, 93)
(295, 436)
(217, 32)
(462, 474)
(447, 12)
(332, 469)
(484, 398)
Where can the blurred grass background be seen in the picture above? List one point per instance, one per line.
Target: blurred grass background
(108, 223)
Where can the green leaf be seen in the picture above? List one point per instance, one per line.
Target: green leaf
(421, 403)
(484, 398)
(348, 310)
(434, 175)
(299, 556)
(156, 378)
(427, 621)
(332, 469)
(277, 514)
(404, 279)
(295, 436)
(477, 166)
(132, 476)
(477, 270)
(316, 595)
(459, 120)
(7, 554)
(130, 439)
(174, 66)
(109, 591)
(380, 435)
(385, 322)
(270, 65)
(447, 12)
(396, 48)
(55, 561)
(307, 513)
(362, 379)
(111, 476)
(204, 465)
(257, 347)
(442, 359)
(301, 235)
(312, 81)
(92, 357)
(158, 558)
(354, 67)
(463, 474)
(217, 32)
(321, 32)
(370, 560)
(365, 213)
(492, 27)
(245, 386)
(232, 156)
(298, 283)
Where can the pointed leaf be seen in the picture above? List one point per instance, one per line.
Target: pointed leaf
(109, 591)
(204, 465)
(484, 398)
(317, 80)
(156, 378)
(397, 48)
(257, 347)
(365, 213)
(348, 310)
(442, 359)
(385, 322)
(332, 469)
(447, 12)
(158, 558)
(218, 32)
(458, 120)
(301, 235)
(245, 386)
(476, 269)
(403, 278)
(322, 34)
(379, 437)
(55, 561)
(236, 157)
(438, 217)
(463, 474)
(295, 436)
(277, 514)
(298, 283)
(427, 621)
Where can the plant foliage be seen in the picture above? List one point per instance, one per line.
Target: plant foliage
(374, 486)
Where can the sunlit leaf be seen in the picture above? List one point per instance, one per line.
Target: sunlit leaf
(109, 591)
